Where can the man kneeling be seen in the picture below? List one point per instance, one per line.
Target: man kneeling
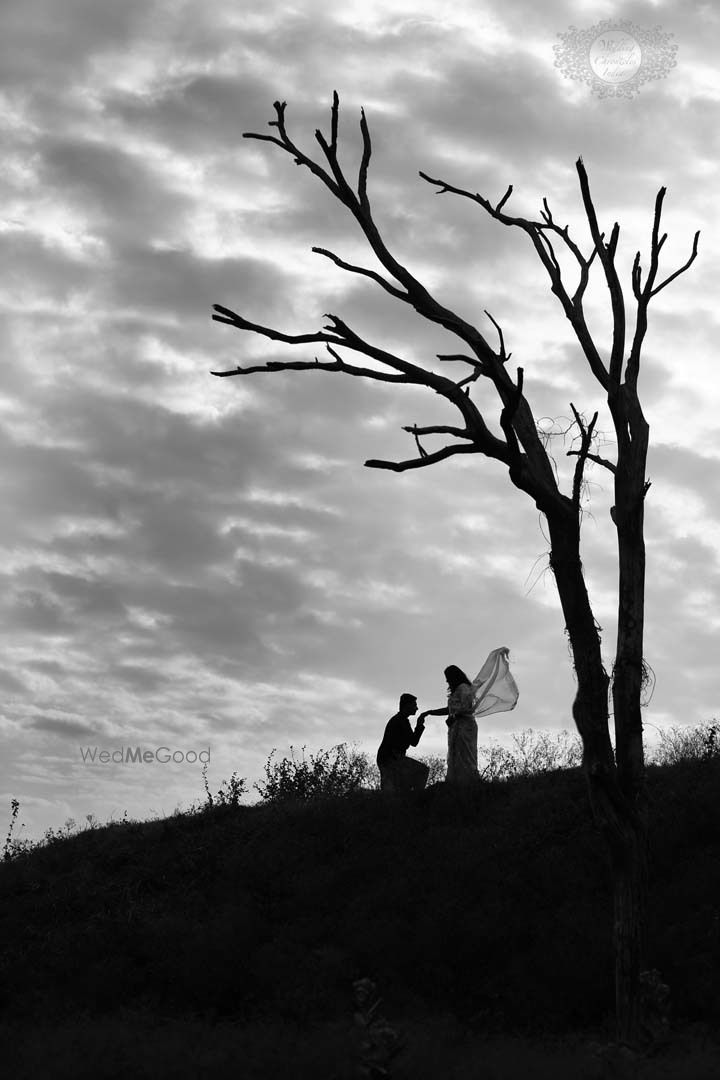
(397, 771)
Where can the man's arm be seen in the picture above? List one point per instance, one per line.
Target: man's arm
(416, 735)
(397, 733)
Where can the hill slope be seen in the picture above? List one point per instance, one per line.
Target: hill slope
(498, 913)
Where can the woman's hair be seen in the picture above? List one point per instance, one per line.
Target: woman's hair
(455, 676)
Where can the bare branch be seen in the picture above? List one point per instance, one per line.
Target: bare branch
(507, 415)
(421, 450)
(586, 434)
(582, 286)
(438, 429)
(367, 151)
(504, 199)
(494, 211)
(285, 143)
(450, 357)
(477, 365)
(644, 295)
(534, 475)
(306, 365)
(636, 276)
(265, 138)
(484, 440)
(551, 254)
(422, 462)
(471, 378)
(362, 270)
(606, 254)
(654, 243)
(613, 241)
(417, 295)
(596, 458)
(334, 115)
(503, 355)
(225, 315)
(341, 335)
(330, 151)
(534, 229)
(682, 269)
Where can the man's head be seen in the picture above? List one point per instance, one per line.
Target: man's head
(408, 704)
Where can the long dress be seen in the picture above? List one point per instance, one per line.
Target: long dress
(462, 767)
(493, 690)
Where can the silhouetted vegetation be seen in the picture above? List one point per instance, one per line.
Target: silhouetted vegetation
(329, 774)
(485, 918)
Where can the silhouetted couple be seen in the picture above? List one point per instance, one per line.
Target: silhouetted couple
(492, 690)
(398, 772)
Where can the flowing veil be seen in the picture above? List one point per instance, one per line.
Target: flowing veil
(494, 688)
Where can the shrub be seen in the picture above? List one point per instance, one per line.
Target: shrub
(532, 753)
(229, 793)
(13, 846)
(437, 768)
(687, 744)
(327, 774)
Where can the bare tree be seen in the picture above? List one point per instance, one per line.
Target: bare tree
(616, 781)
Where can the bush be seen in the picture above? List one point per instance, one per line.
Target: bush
(687, 743)
(15, 846)
(340, 771)
(327, 774)
(228, 794)
(533, 753)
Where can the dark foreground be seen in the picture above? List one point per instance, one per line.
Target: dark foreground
(229, 939)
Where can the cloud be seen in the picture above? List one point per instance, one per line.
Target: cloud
(65, 728)
(208, 559)
(196, 113)
(12, 684)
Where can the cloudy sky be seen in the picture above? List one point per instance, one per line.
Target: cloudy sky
(196, 562)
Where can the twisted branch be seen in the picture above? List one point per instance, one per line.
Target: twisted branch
(424, 460)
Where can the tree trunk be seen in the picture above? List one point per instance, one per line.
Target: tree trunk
(630, 855)
(620, 817)
(629, 866)
(590, 710)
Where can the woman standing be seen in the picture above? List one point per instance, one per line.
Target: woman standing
(462, 767)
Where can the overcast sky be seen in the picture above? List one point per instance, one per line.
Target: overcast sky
(196, 562)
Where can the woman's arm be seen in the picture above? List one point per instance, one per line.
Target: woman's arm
(433, 712)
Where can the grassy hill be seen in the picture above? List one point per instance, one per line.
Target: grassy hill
(229, 937)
